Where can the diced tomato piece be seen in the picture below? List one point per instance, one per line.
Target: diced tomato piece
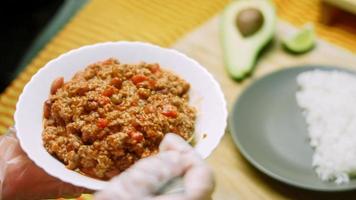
(116, 82)
(152, 83)
(102, 123)
(136, 79)
(136, 136)
(154, 68)
(109, 91)
(169, 111)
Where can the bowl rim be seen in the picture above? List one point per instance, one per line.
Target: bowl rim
(219, 93)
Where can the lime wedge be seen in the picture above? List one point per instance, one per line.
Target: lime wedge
(302, 41)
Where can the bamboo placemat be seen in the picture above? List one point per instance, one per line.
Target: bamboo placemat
(158, 21)
(165, 22)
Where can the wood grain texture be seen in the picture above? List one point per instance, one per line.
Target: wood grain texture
(236, 178)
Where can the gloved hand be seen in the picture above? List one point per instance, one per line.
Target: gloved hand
(20, 178)
(144, 179)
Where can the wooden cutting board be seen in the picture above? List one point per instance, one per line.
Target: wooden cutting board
(235, 177)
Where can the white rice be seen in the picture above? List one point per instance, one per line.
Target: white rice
(328, 101)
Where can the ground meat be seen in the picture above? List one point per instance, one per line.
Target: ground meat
(111, 114)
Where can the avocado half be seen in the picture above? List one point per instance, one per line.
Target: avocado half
(241, 51)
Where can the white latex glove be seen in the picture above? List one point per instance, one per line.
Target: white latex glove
(20, 178)
(175, 159)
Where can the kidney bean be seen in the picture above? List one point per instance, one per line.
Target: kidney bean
(56, 84)
(47, 108)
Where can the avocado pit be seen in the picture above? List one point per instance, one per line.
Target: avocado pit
(249, 21)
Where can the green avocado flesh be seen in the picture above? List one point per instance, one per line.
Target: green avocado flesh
(246, 27)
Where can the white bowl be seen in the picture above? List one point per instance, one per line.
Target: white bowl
(205, 95)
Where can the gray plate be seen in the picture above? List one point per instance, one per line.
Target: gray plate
(270, 131)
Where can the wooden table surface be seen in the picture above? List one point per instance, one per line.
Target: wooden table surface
(235, 177)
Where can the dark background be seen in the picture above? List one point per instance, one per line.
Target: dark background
(21, 22)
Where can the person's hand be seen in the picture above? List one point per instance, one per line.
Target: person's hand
(20, 178)
(145, 178)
